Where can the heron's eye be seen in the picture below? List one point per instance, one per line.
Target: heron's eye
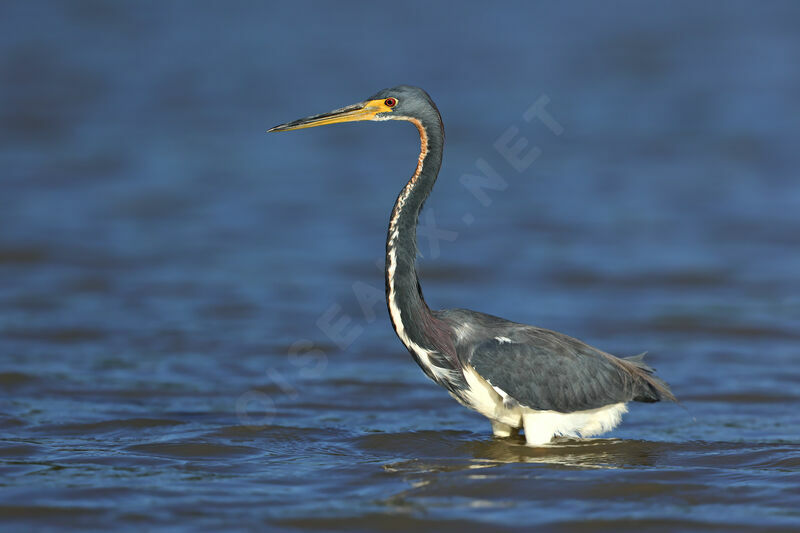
(390, 102)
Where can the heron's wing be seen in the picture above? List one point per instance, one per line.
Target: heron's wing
(545, 370)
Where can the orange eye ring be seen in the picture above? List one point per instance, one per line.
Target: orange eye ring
(390, 102)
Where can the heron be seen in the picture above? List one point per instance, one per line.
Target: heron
(520, 377)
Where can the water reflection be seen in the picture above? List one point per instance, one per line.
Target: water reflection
(589, 453)
(573, 453)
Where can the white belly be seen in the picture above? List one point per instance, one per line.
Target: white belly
(540, 426)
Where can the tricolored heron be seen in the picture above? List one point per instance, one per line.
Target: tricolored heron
(516, 375)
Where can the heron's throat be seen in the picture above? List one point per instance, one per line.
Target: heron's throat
(411, 318)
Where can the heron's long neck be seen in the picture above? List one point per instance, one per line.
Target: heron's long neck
(411, 317)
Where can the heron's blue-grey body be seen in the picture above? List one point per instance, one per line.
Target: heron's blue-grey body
(518, 376)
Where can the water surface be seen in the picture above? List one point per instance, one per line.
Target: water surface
(192, 331)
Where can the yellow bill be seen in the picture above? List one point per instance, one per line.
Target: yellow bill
(361, 111)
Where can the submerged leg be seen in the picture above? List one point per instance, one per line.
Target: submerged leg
(540, 428)
(502, 430)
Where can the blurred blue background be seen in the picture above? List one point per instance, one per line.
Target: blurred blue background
(169, 269)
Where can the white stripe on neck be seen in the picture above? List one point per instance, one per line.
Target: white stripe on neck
(440, 374)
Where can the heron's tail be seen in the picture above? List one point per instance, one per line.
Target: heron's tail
(652, 389)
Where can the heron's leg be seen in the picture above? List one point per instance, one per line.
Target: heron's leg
(539, 428)
(502, 430)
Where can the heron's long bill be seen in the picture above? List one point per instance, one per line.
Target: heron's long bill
(360, 111)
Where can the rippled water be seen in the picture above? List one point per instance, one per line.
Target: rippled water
(191, 326)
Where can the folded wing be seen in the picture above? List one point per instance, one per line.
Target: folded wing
(545, 370)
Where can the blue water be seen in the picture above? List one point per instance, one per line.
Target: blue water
(192, 334)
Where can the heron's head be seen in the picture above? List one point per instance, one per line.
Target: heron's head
(398, 103)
